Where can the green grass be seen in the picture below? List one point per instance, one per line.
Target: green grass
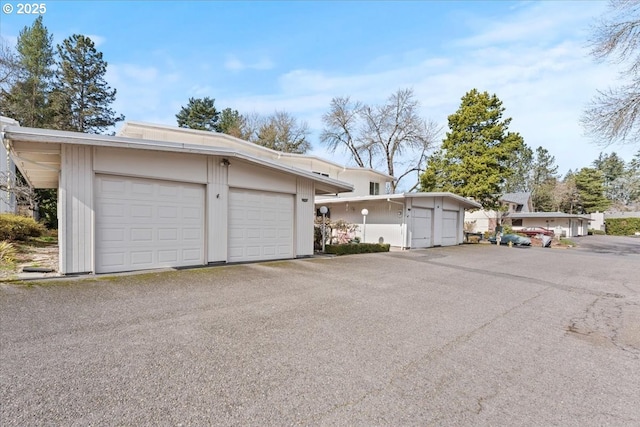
(567, 242)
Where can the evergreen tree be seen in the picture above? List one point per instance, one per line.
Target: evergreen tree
(81, 97)
(520, 163)
(199, 114)
(614, 176)
(475, 156)
(590, 185)
(27, 99)
(231, 123)
(543, 180)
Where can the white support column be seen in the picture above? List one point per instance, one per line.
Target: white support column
(304, 217)
(217, 209)
(75, 210)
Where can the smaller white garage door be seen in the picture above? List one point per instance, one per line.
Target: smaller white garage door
(145, 223)
(260, 225)
(421, 228)
(449, 228)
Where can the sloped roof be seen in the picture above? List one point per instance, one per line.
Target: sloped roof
(520, 198)
(36, 152)
(544, 215)
(468, 204)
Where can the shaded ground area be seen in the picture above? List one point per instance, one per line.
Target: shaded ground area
(35, 254)
(461, 336)
(621, 245)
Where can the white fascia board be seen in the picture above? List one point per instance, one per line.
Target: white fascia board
(17, 133)
(402, 196)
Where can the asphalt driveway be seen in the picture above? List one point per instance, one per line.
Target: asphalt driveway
(465, 336)
(620, 245)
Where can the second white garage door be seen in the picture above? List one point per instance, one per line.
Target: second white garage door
(420, 228)
(449, 228)
(145, 223)
(260, 225)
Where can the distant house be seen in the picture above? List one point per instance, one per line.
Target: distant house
(562, 224)
(519, 214)
(487, 220)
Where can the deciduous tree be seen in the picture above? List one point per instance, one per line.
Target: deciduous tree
(282, 132)
(614, 113)
(391, 136)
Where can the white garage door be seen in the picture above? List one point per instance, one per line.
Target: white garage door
(145, 223)
(449, 228)
(420, 228)
(260, 225)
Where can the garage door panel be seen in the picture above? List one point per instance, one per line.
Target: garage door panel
(141, 258)
(149, 224)
(260, 225)
(141, 235)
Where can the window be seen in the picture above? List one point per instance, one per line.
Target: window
(516, 222)
(519, 208)
(374, 188)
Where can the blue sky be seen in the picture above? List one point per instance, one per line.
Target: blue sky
(262, 56)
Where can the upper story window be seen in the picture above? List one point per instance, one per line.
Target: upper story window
(374, 188)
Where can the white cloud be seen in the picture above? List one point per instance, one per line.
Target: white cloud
(534, 60)
(233, 63)
(97, 40)
(142, 90)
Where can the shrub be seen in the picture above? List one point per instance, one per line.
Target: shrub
(8, 252)
(594, 231)
(15, 227)
(360, 248)
(622, 226)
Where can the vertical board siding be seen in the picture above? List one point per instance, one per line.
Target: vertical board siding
(8, 169)
(305, 214)
(76, 210)
(217, 208)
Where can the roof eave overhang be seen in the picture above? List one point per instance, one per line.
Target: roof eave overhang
(468, 204)
(324, 185)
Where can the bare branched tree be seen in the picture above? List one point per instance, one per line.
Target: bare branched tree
(340, 124)
(23, 193)
(392, 136)
(279, 131)
(614, 114)
(9, 65)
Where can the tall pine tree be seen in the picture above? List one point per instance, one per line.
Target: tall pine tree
(200, 114)
(27, 99)
(82, 98)
(544, 176)
(475, 157)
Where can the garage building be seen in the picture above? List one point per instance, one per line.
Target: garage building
(408, 220)
(132, 204)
